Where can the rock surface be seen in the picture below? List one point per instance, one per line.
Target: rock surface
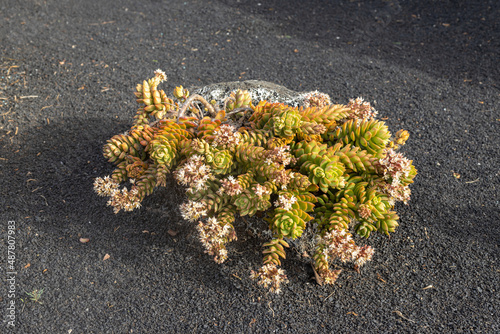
(260, 90)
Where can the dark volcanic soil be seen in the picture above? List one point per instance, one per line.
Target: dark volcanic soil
(67, 73)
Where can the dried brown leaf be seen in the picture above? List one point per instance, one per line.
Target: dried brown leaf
(172, 233)
(319, 280)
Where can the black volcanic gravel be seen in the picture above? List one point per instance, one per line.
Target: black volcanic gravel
(67, 73)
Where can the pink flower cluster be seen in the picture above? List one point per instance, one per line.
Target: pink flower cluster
(361, 110)
(279, 155)
(365, 254)
(214, 235)
(225, 136)
(194, 173)
(395, 166)
(330, 276)
(283, 177)
(339, 244)
(316, 99)
(270, 276)
(119, 199)
(396, 192)
(125, 200)
(230, 186)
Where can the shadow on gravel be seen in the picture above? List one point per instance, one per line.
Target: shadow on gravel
(52, 188)
(56, 164)
(441, 38)
(53, 169)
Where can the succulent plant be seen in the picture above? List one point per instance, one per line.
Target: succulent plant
(329, 167)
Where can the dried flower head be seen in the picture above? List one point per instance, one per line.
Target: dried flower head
(364, 211)
(361, 110)
(160, 75)
(283, 177)
(270, 276)
(338, 244)
(330, 276)
(395, 165)
(316, 99)
(125, 200)
(230, 186)
(194, 173)
(396, 192)
(105, 186)
(225, 136)
(214, 235)
(364, 255)
(280, 155)
(193, 210)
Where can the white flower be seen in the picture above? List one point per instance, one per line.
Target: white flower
(231, 186)
(225, 136)
(192, 210)
(260, 190)
(160, 75)
(395, 165)
(194, 173)
(285, 201)
(270, 276)
(361, 110)
(105, 186)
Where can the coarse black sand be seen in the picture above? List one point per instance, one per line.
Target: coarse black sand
(67, 74)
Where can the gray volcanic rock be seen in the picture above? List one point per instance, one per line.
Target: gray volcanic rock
(260, 90)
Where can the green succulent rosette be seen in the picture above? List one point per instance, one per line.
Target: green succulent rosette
(220, 161)
(162, 152)
(325, 173)
(245, 203)
(287, 123)
(288, 224)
